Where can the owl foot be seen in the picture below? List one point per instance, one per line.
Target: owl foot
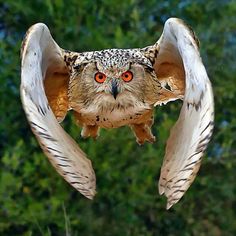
(143, 133)
(90, 131)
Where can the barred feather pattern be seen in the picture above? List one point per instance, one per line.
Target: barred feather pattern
(64, 154)
(191, 133)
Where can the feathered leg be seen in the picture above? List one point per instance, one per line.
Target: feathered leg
(143, 131)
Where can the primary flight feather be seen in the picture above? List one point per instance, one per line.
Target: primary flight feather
(113, 88)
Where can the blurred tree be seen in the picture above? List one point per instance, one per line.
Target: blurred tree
(34, 200)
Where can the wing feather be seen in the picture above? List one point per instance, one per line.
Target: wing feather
(191, 133)
(39, 54)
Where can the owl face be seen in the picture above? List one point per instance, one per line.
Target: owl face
(113, 81)
(115, 76)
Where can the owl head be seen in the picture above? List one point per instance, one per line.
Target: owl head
(112, 76)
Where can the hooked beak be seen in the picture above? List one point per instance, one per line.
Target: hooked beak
(114, 88)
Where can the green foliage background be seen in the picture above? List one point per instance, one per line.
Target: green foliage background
(34, 200)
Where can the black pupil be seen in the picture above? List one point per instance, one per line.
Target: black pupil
(126, 75)
(100, 77)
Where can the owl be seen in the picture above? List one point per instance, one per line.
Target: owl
(118, 87)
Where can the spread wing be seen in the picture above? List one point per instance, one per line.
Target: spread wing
(44, 84)
(179, 67)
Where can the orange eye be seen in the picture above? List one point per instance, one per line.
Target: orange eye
(100, 77)
(127, 76)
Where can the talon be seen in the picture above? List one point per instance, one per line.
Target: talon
(95, 137)
(140, 142)
(90, 131)
(83, 135)
(152, 139)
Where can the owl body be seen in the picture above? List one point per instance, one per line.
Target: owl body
(139, 118)
(97, 105)
(114, 117)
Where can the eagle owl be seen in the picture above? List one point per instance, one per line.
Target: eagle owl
(118, 87)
